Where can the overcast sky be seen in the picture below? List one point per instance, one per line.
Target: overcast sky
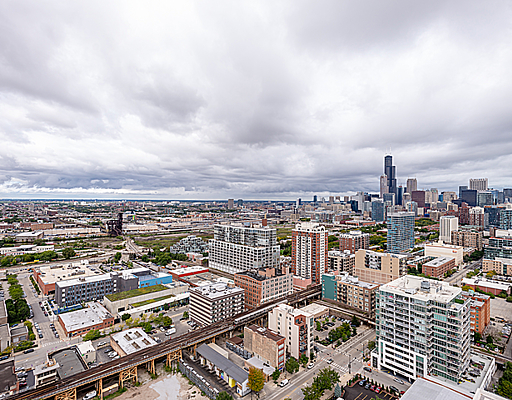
(254, 100)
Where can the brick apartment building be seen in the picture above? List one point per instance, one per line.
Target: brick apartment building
(354, 240)
(263, 285)
(438, 266)
(341, 261)
(467, 239)
(480, 307)
(266, 344)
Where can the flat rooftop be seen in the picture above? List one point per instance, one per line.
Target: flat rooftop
(7, 377)
(437, 262)
(133, 340)
(487, 283)
(86, 279)
(410, 285)
(92, 315)
(3, 309)
(217, 290)
(354, 280)
(51, 274)
(269, 334)
(69, 362)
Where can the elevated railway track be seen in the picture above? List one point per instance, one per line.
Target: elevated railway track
(169, 351)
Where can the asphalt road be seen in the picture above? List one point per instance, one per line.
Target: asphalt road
(456, 278)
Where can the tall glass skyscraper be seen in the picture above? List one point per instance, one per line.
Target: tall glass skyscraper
(390, 172)
(400, 231)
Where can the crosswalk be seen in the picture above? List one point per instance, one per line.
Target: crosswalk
(50, 344)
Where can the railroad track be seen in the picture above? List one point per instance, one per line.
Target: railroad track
(158, 351)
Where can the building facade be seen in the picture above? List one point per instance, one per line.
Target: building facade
(215, 302)
(296, 326)
(239, 248)
(467, 239)
(268, 345)
(354, 240)
(375, 267)
(341, 261)
(422, 328)
(438, 267)
(440, 249)
(478, 184)
(309, 251)
(480, 310)
(447, 224)
(264, 285)
(400, 235)
(349, 290)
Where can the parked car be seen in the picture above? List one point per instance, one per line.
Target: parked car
(4, 358)
(90, 395)
(28, 351)
(311, 366)
(394, 389)
(329, 361)
(40, 335)
(284, 383)
(367, 386)
(362, 383)
(367, 369)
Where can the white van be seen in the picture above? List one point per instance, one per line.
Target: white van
(170, 331)
(284, 383)
(90, 395)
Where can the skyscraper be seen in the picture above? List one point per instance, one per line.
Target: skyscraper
(309, 251)
(378, 211)
(412, 185)
(447, 224)
(478, 184)
(400, 231)
(390, 172)
(383, 185)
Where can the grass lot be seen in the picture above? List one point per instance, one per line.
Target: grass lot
(143, 303)
(135, 292)
(284, 231)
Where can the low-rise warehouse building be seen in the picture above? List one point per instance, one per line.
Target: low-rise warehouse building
(266, 344)
(130, 341)
(438, 266)
(487, 285)
(225, 369)
(78, 323)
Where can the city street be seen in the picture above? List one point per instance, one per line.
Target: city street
(456, 278)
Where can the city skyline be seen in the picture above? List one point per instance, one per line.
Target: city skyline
(255, 101)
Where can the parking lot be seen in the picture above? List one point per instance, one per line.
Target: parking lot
(360, 393)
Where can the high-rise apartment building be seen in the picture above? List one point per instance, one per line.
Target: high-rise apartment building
(448, 197)
(478, 217)
(480, 310)
(378, 211)
(506, 217)
(390, 172)
(463, 213)
(412, 185)
(400, 231)
(422, 328)
(350, 291)
(215, 302)
(467, 239)
(354, 240)
(447, 224)
(264, 285)
(309, 251)
(419, 197)
(383, 185)
(231, 204)
(341, 261)
(296, 326)
(478, 184)
(236, 248)
(377, 267)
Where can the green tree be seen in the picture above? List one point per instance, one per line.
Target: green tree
(117, 257)
(371, 345)
(505, 388)
(509, 299)
(256, 380)
(125, 317)
(144, 258)
(303, 359)
(489, 339)
(292, 365)
(318, 325)
(355, 321)
(68, 252)
(224, 396)
(92, 335)
(326, 379)
(276, 374)
(311, 393)
(477, 336)
(185, 314)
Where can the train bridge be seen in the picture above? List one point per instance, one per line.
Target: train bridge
(169, 351)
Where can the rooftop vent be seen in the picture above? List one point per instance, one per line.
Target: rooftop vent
(425, 285)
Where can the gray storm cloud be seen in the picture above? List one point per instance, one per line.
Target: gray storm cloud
(253, 100)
